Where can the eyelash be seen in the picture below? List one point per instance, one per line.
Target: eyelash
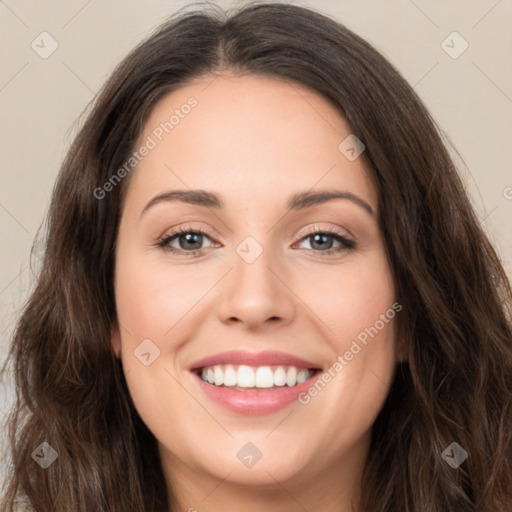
(164, 241)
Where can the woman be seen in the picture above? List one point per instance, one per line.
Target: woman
(338, 337)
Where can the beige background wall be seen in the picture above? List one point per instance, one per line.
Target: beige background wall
(470, 95)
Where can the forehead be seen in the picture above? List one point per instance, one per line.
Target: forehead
(247, 137)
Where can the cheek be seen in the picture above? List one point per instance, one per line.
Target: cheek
(152, 299)
(357, 308)
(350, 297)
(356, 383)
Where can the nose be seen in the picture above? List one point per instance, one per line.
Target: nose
(256, 294)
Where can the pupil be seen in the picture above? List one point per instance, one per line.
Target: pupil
(320, 236)
(189, 239)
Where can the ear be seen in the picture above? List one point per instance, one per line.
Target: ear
(115, 340)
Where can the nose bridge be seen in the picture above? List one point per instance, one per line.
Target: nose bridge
(253, 262)
(255, 293)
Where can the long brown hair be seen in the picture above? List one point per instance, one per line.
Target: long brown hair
(454, 386)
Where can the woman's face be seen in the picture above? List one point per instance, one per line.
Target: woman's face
(264, 299)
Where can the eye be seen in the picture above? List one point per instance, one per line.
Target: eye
(187, 239)
(322, 241)
(190, 241)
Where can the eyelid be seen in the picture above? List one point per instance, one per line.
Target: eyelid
(304, 232)
(189, 226)
(317, 228)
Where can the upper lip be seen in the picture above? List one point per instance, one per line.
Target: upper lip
(266, 358)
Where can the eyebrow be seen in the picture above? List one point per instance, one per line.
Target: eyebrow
(298, 201)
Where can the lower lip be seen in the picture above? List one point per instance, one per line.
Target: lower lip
(254, 402)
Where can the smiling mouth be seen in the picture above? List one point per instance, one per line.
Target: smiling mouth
(255, 378)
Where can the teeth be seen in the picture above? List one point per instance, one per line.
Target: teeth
(229, 376)
(279, 376)
(218, 375)
(302, 376)
(291, 376)
(245, 377)
(263, 377)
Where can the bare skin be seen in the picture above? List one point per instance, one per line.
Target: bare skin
(255, 142)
